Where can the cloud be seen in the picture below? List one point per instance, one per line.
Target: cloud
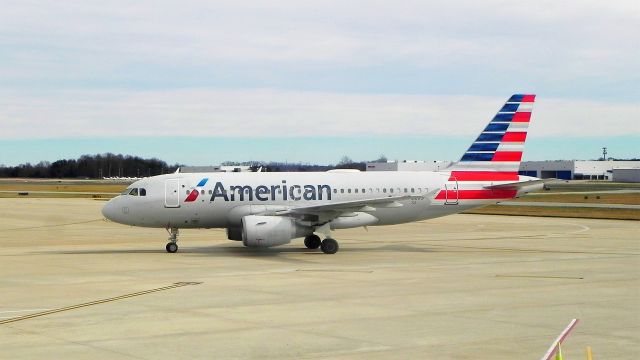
(216, 68)
(549, 40)
(277, 113)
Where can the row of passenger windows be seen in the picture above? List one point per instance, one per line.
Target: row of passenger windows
(384, 190)
(335, 191)
(135, 192)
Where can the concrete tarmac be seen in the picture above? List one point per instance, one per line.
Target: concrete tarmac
(459, 287)
(569, 205)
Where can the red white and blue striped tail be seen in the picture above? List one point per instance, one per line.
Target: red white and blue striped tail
(499, 147)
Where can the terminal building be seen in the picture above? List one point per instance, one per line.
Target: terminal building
(577, 169)
(216, 168)
(618, 171)
(408, 165)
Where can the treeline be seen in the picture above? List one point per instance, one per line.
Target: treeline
(92, 167)
(111, 165)
(274, 166)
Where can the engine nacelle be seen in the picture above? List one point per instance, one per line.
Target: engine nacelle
(267, 231)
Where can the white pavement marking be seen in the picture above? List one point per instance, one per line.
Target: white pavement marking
(18, 311)
(26, 310)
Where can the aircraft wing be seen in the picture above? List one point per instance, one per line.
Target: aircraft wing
(353, 205)
(334, 209)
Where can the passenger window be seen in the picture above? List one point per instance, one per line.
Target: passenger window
(133, 192)
(391, 190)
(349, 191)
(187, 192)
(405, 190)
(202, 192)
(420, 190)
(356, 191)
(143, 192)
(384, 190)
(413, 190)
(335, 191)
(210, 192)
(342, 191)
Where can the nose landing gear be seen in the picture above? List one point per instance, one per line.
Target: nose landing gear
(172, 245)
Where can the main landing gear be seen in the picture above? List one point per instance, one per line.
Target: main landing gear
(172, 245)
(328, 245)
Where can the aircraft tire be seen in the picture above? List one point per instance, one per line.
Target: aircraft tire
(171, 247)
(329, 246)
(312, 241)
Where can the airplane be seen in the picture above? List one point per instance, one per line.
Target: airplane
(266, 209)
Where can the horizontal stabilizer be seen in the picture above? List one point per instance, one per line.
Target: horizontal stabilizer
(519, 185)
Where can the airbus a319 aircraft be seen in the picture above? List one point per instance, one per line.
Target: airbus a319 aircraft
(264, 209)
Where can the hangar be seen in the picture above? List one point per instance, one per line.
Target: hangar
(408, 165)
(558, 169)
(575, 169)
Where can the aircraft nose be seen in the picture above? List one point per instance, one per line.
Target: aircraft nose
(109, 210)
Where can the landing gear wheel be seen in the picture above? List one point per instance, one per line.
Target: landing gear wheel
(171, 247)
(312, 241)
(329, 246)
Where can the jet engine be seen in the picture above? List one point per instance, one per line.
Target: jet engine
(268, 231)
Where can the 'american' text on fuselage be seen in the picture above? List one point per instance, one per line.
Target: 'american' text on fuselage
(266, 193)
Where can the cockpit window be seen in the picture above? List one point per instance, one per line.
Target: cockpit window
(125, 191)
(133, 192)
(143, 192)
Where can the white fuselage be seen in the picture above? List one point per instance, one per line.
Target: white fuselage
(226, 197)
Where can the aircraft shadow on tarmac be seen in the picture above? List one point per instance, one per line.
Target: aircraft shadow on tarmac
(226, 250)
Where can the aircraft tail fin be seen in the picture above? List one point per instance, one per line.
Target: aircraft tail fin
(497, 152)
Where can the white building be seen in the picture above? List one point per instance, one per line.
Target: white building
(220, 168)
(408, 165)
(574, 169)
(626, 175)
(558, 169)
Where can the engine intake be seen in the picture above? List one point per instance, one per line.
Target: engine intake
(268, 231)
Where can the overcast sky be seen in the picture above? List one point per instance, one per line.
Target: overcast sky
(203, 82)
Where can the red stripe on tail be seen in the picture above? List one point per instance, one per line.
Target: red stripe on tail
(484, 176)
(507, 156)
(514, 137)
(523, 116)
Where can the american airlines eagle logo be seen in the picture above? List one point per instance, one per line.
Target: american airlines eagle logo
(193, 195)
